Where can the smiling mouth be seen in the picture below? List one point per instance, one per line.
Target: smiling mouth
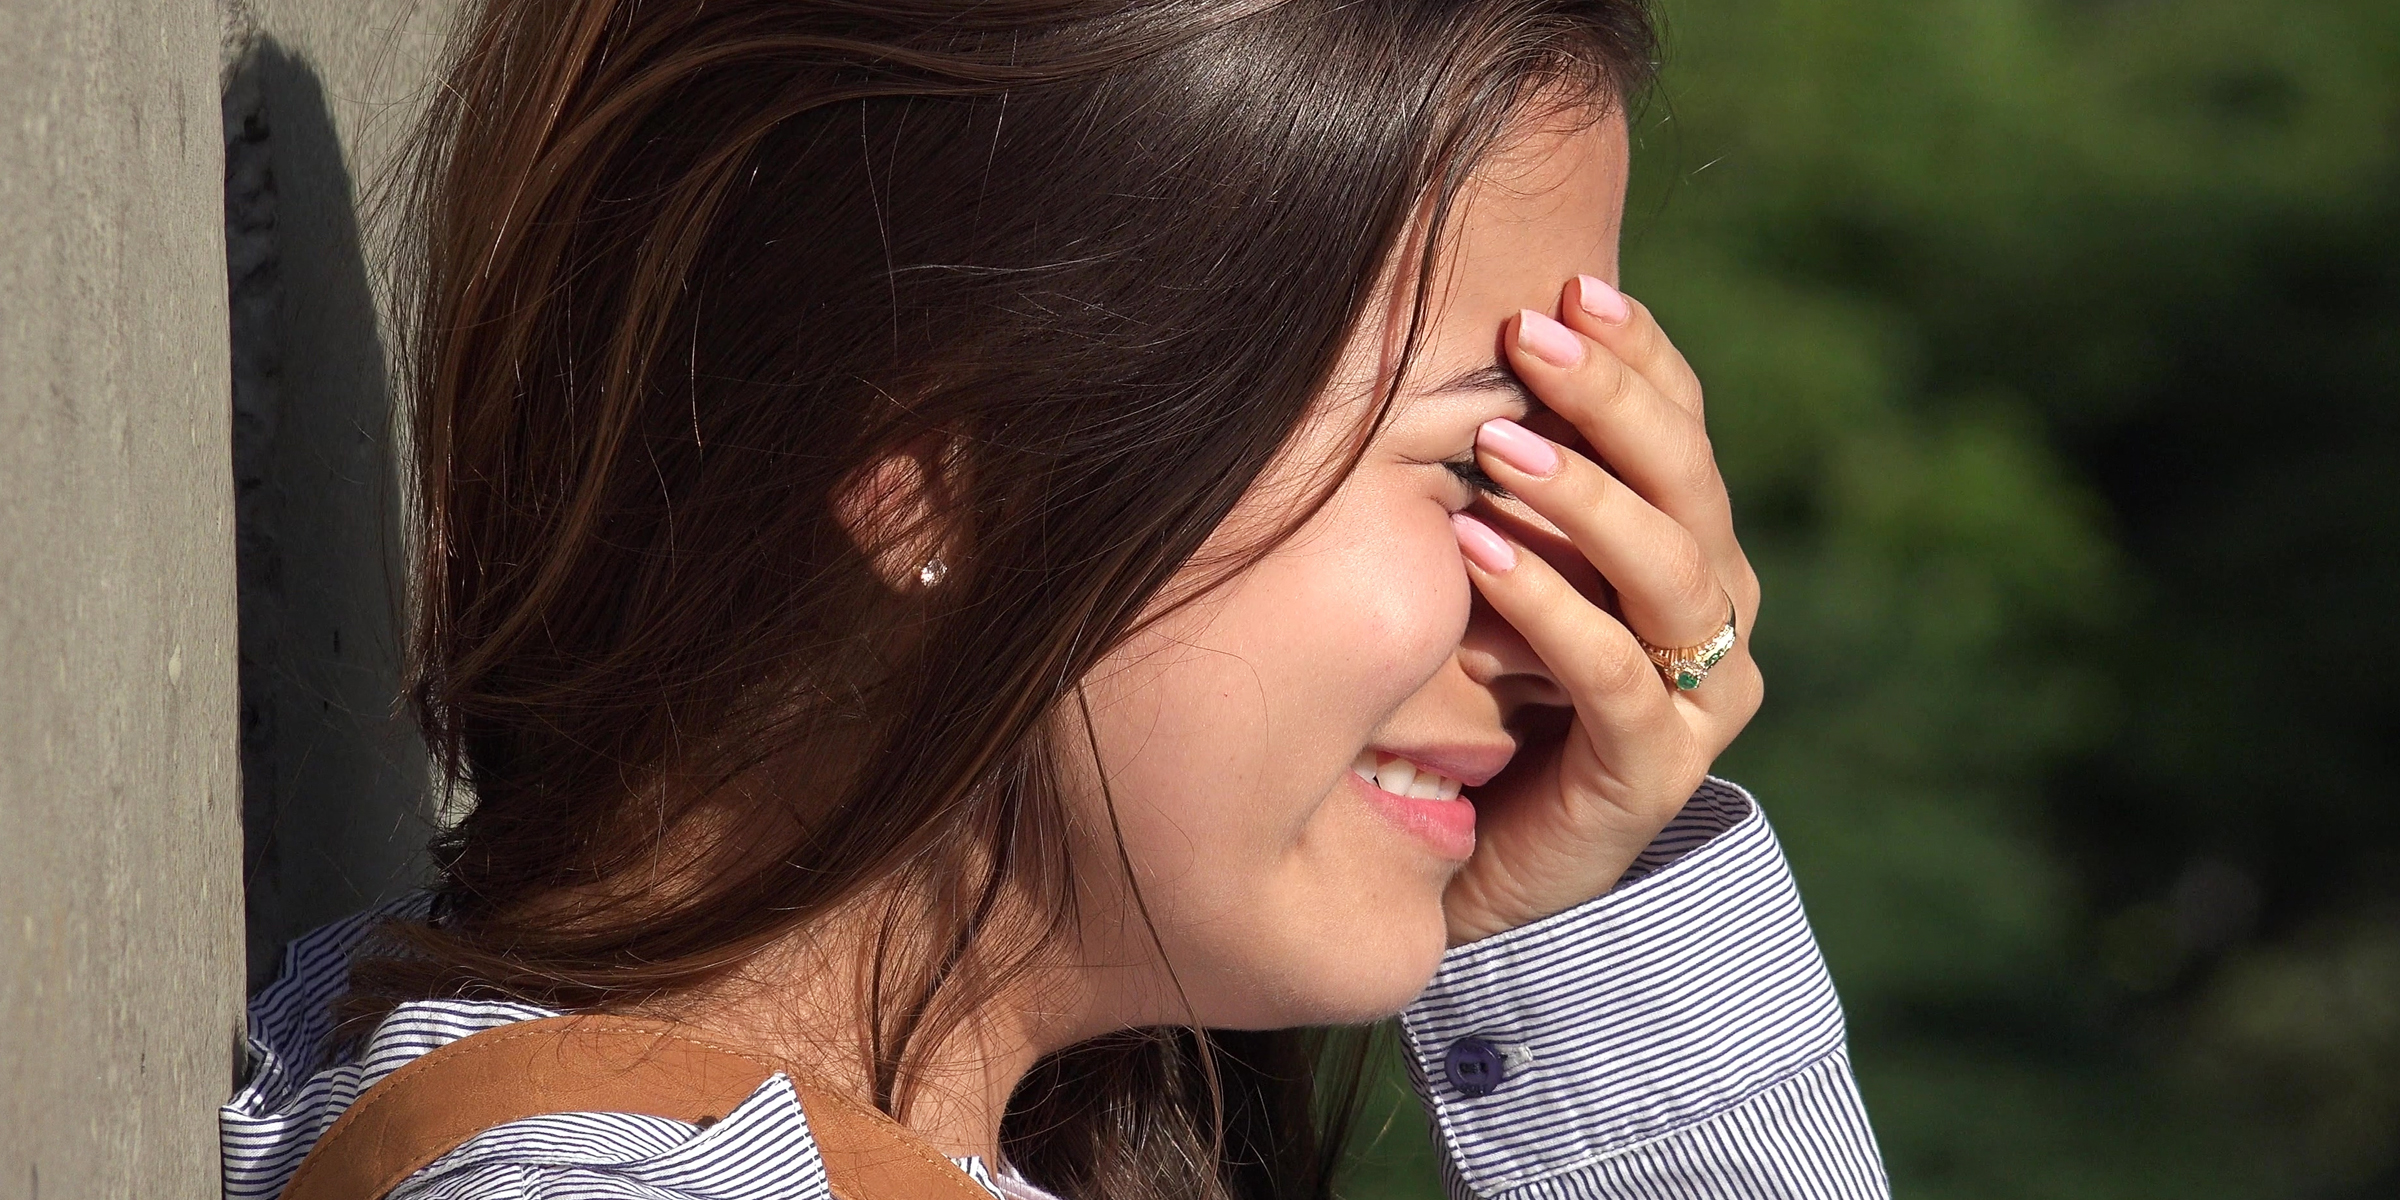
(1401, 777)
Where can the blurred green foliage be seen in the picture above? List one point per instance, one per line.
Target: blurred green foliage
(2053, 355)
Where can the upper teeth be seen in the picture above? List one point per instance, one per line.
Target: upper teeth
(1404, 778)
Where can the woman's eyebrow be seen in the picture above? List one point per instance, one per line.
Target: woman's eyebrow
(1494, 378)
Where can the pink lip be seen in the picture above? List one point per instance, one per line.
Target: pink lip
(1447, 827)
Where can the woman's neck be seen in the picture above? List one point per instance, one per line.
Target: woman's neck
(805, 1005)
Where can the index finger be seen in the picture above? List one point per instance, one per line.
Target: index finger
(1624, 325)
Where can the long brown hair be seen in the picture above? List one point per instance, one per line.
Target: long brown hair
(686, 269)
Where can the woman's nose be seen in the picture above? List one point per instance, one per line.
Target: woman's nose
(1497, 658)
(1493, 653)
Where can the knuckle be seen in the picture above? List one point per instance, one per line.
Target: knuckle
(1643, 325)
(1540, 583)
(1749, 693)
(1628, 673)
(1590, 491)
(1698, 468)
(1694, 397)
(1673, 371)
(1747, 595)
(1538, 595)
(1746, 585)
(1680, 385)
(1610, 379)
(1649, 341)
(1690, 579)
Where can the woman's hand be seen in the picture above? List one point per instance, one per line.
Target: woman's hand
(1571, 813)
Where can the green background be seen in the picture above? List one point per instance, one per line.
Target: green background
(2052, 352)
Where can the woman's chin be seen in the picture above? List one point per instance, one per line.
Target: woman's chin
(1366, 1004)
(1349, 981)
(1384, 957)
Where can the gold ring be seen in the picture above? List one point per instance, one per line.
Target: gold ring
(1687, 667)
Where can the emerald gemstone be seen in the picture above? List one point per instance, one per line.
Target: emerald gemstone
(1687, 681)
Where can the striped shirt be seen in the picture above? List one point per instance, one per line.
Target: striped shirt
(1677, 1037)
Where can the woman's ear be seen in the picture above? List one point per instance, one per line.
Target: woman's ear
(898, 512)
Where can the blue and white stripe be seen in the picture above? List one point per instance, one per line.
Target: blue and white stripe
(1678, 1037)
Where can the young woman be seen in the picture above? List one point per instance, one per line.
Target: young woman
(1003, 560)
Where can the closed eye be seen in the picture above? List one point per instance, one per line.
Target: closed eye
(1471, 473)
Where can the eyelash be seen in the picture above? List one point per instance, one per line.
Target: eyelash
(1470, 473)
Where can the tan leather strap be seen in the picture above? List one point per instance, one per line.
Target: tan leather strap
(438, 1101)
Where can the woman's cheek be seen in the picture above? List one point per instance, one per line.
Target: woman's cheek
(1410, 610)
(1225, 726)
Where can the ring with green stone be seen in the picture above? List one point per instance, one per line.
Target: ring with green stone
(1686, 667)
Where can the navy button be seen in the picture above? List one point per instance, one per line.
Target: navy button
(1474, 1066)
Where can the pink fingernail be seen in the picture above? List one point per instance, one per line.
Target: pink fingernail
(1518, 446)
(1548, 340)
(1602, 301)
(1485, 548)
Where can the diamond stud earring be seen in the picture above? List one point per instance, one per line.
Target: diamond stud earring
(933, 571)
